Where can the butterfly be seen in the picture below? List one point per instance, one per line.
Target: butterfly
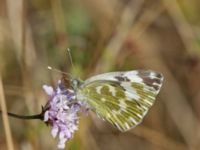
(121, 98)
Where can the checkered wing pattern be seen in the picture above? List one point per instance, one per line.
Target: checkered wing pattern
(121, 98)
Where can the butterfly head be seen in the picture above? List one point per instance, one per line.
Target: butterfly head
(76, 83)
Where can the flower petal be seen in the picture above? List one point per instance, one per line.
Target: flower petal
(62, 113)
(48, 89)
(46, 116)
(61, 145)
(54, 131)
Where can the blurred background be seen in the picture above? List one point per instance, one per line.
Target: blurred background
(104, 36)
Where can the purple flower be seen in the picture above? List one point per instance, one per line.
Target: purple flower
(61, 112)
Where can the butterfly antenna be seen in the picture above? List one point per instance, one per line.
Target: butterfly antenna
(70, 57)
(56, 70)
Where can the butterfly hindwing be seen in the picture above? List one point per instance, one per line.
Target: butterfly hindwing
(121, 98)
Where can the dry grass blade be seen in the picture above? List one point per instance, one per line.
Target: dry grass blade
(23, 42)
(59, 24)
(5, 117)
(115, 44)
(146, 20)
(88, 141)
(176, 103)
(157, 138)
(182, 25)
(105, 36)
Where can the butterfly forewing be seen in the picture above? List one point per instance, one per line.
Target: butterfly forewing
(121, 98)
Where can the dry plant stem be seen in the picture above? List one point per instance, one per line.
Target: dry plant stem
(25, 73)
(105, 17)
(114, 46)
(176, 103)
(90, 139)
(59, 24)
(5, 117)
(187, 35)
(157, 138)
(22, 44)
(58, 16)
(183, 27)
(187, 128)
(146, 20)
(13, 90)
(14, 9)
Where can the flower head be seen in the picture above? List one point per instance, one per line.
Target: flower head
(61, 112)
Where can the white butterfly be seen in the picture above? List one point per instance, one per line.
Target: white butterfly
(121, 98)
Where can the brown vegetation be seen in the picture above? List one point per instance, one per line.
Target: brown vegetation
(161, 35)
